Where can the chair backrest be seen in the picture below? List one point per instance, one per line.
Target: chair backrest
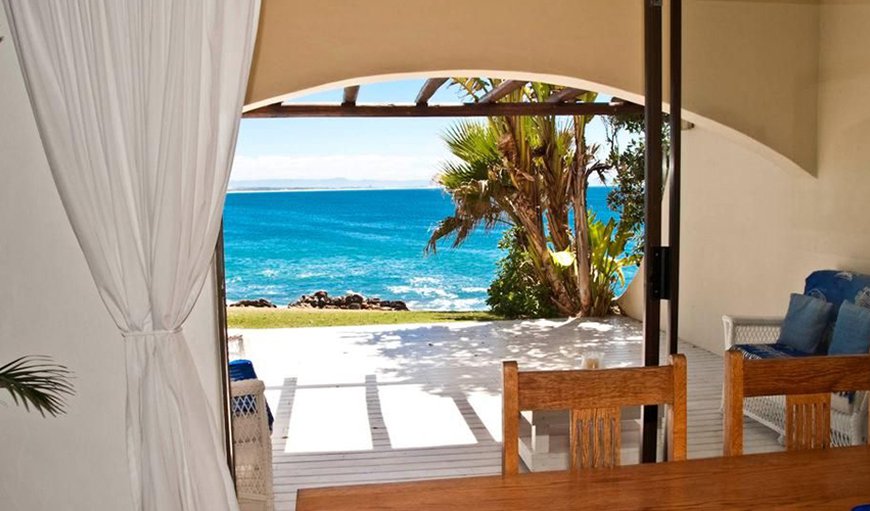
(807, 383)
(593, 398)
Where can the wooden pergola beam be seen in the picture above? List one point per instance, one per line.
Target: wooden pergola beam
(428, 90)
(501, 90)
(565, 94)
(464, 110)
(350, 95)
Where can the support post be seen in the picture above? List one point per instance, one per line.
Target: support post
(676, 82)
(652, 209)
(221, 313)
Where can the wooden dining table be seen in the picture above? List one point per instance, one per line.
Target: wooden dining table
(822, 479)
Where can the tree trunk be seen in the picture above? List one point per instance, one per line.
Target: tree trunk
(547, 270)
(581, 220)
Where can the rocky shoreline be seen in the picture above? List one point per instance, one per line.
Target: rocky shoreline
(322, 300)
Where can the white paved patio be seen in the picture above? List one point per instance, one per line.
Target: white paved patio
(399, 402)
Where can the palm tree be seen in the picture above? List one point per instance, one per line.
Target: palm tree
(530, 172)
(35, 381)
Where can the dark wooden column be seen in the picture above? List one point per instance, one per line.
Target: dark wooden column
(223, 354)
(676, 81)
(652, 211)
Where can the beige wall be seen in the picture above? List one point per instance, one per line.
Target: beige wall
(51, 306)
(749, 65)
(752, 231)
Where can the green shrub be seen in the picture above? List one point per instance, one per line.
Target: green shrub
(516, 291)
(608, 242)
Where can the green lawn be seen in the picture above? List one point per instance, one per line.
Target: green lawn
(244, 317)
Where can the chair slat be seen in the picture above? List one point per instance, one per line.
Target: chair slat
(595, 438)
(808, 421)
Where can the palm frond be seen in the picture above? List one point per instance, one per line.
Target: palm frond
(457, 226)
(36, 381)
(472, 141)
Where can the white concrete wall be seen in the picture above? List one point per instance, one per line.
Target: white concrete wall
(51, 307)
(752, 231)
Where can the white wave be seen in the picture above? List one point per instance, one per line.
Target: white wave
(416, 281)
(474, 290)
(423, 291)
(310, 274)
(442, 304)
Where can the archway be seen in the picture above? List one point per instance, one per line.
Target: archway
(304, 389)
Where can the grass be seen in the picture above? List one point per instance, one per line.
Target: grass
(246, 317)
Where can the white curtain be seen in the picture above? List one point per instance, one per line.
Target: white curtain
(138, 105)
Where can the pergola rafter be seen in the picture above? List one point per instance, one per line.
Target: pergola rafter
(501, 90)
(429, 88)
(566, 94)
(350, 95)
(562, 102)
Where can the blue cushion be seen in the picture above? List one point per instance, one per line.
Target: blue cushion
(838, 286)
(852, 331)
(769, 351)
(242, 369)
(805, 323)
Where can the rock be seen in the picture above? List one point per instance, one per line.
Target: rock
(352, 301)
(396, 305)
(260, 303)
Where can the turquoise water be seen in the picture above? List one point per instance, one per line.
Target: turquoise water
(280, 245)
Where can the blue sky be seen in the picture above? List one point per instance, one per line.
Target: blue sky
(375, 149)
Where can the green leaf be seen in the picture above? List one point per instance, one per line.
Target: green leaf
(563, 258)
(35, 381)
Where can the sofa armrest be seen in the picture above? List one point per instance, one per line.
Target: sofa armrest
(252, 445)
(751, 330)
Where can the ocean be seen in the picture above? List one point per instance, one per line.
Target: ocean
(283, 244)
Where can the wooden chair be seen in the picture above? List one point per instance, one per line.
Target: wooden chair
(807, 384)
(594, 398)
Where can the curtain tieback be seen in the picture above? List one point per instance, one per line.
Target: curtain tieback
(134, 335)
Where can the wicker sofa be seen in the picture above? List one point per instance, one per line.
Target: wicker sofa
(252, 446)
(756, 337)
(848, 413)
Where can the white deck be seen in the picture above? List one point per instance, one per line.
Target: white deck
(388, 403)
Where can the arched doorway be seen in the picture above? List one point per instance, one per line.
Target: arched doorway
(563, 103)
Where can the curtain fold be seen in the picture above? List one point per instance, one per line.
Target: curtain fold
(138, 105)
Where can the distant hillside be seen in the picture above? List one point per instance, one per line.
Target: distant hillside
(335, 183)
